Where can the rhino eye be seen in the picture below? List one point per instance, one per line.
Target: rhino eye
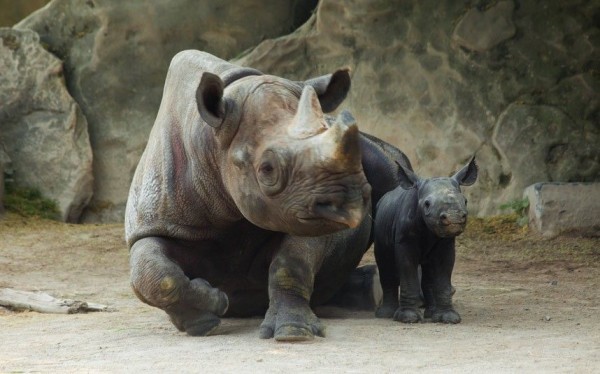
(270, 173)
(266, 168)
(427, 204)
(465, 202)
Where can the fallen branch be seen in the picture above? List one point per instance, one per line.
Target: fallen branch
(44, 303)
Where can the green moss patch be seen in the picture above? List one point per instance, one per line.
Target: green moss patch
(29, 202)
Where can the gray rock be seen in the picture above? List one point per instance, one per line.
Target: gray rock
(560, 208)
(529, 107)
(481, 30)
(116, 55)
(4, 162)
(41, 126)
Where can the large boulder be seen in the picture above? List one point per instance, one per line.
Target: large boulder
(517, 85)
(116, 55)
(42, 128)
(564, 208)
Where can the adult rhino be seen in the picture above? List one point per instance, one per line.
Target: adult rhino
(248, 198)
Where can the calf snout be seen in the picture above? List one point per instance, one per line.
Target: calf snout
(453, 217)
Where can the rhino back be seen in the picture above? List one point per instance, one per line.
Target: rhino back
(379, 165)
(177, 190)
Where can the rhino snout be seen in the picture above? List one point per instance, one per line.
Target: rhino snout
(344, 208)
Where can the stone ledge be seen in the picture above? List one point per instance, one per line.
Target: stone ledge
(564, 208)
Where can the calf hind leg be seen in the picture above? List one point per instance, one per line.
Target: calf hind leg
(192, 305)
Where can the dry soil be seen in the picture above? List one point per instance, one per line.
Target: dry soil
(528, 305)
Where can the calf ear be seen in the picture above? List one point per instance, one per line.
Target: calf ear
(406, 177)
(209, 98)
(468, 174)
(331, 89)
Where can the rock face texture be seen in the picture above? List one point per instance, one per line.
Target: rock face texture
(4, 161)
(116, 54)
(482, 29)
(556, 208)
(515, 83)
(42, 128)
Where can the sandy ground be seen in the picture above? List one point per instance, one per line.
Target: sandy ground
(527, 304)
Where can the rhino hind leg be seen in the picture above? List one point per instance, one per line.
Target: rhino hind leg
(192, 305)
(361, 291)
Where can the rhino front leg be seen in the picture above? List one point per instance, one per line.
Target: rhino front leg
(291, 281)
(192, 305)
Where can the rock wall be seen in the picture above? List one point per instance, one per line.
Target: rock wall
(42, 128)
(514, 82)
(116, 54)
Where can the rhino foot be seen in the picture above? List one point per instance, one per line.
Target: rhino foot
(406, 315)
(291, 324)
(193, 321)
(386, 311)
(445, 316)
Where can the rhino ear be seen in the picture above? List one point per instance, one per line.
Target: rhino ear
(209, 98)
(331, 89)
(468, 174)
(406, 177)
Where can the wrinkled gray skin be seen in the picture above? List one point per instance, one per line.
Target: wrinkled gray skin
(248, 198)
(416, 225)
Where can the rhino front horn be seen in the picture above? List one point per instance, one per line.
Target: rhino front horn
(344, 136)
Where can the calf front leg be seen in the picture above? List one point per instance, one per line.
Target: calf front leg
(192, 305)
(437, 287)
(407, 265)
(388, 277)
(291, 282)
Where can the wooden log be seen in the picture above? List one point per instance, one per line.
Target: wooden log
(44, 303)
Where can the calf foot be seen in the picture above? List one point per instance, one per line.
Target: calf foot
(291, 323)
(445, 316)
(408, 315)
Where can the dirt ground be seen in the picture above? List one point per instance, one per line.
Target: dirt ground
(528, 305)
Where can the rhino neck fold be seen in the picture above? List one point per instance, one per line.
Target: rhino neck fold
(205, 175)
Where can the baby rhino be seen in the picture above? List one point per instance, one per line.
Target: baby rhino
(416, 225)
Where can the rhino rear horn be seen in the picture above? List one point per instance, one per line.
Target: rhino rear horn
(331, 89)
(308, 120)
(209, 98)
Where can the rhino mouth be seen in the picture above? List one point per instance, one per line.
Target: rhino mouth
(335, 211)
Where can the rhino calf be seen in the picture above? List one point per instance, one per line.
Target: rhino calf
(416, 225)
